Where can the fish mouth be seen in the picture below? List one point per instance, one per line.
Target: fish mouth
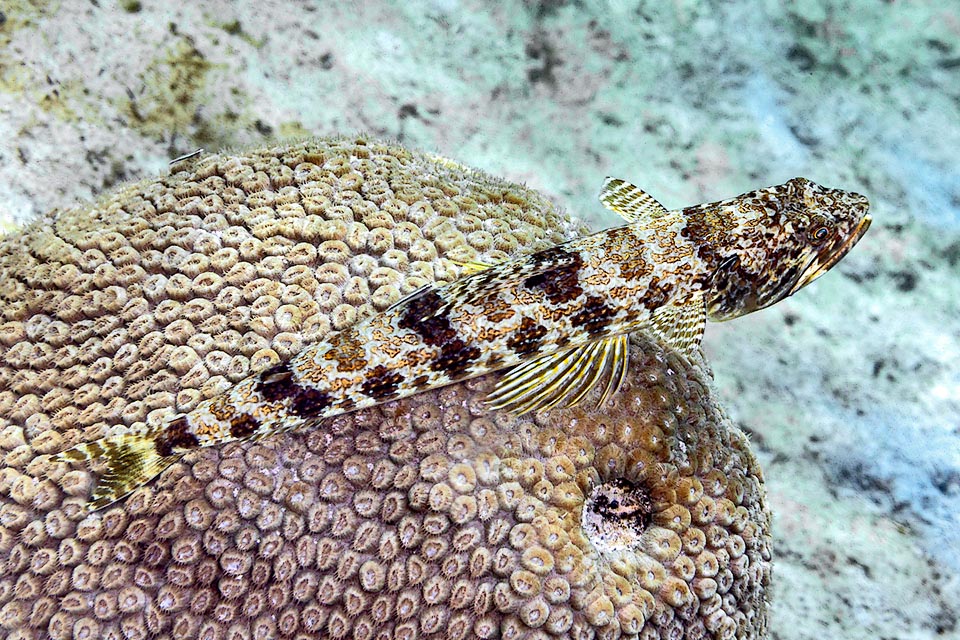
(824, 260)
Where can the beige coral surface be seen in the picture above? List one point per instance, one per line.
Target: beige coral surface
(429, 517)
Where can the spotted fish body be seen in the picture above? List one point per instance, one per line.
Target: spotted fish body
(557, 320)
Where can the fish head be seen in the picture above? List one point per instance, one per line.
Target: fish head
(776, 241)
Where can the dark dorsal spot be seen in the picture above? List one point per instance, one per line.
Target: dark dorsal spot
(308, 402)
(594, 316)
(455, 356)
(559, 283)
(436, 331)
(426, 316)
(276, 383)
(243, 426)
(381, 383)
(176, 434)
(527, 338)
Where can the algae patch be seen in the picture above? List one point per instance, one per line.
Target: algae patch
(172, 92)
(17, 78)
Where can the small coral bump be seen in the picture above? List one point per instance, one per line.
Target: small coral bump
(538, 560)
(600, 612)
(675, 592)
(663, 544)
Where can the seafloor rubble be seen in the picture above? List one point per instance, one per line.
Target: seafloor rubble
(431, 517)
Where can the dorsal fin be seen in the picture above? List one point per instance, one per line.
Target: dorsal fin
(629, 202)
(467, 268)
(470, 267)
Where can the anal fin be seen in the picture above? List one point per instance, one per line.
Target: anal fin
(680, 326)
(563, 378)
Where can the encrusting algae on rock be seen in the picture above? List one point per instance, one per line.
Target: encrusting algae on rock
(428, 517)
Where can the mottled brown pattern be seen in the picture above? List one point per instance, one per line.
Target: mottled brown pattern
(347, 351)
(426, 315)
(698, 230)
(309, 403)
(527, 338)
(243, 426)
(779, 224)
(419, 382)
(176, 435)
(594, 315)
(635, 268)
(381, 383)
(222, 410)
(559, 284)
(498, 315)
(657, 294)
(276, 383)
(455, 356)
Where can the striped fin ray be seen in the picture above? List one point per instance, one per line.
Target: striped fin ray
(131, 461)
(681, 325)
(620, 358)
(564, 378)
(629, 202)
(470, 267)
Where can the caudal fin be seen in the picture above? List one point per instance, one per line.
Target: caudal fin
(131, 461)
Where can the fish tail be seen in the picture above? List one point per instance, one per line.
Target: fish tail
(130, 460)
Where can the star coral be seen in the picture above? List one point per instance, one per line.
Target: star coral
(426, 518)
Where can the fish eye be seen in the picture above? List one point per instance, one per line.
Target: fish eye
(820, 234)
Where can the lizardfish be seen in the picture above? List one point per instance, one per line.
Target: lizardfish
(557, 320)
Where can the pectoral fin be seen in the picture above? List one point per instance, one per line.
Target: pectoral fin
(629, 202)
(564, 378)
(680, 326)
